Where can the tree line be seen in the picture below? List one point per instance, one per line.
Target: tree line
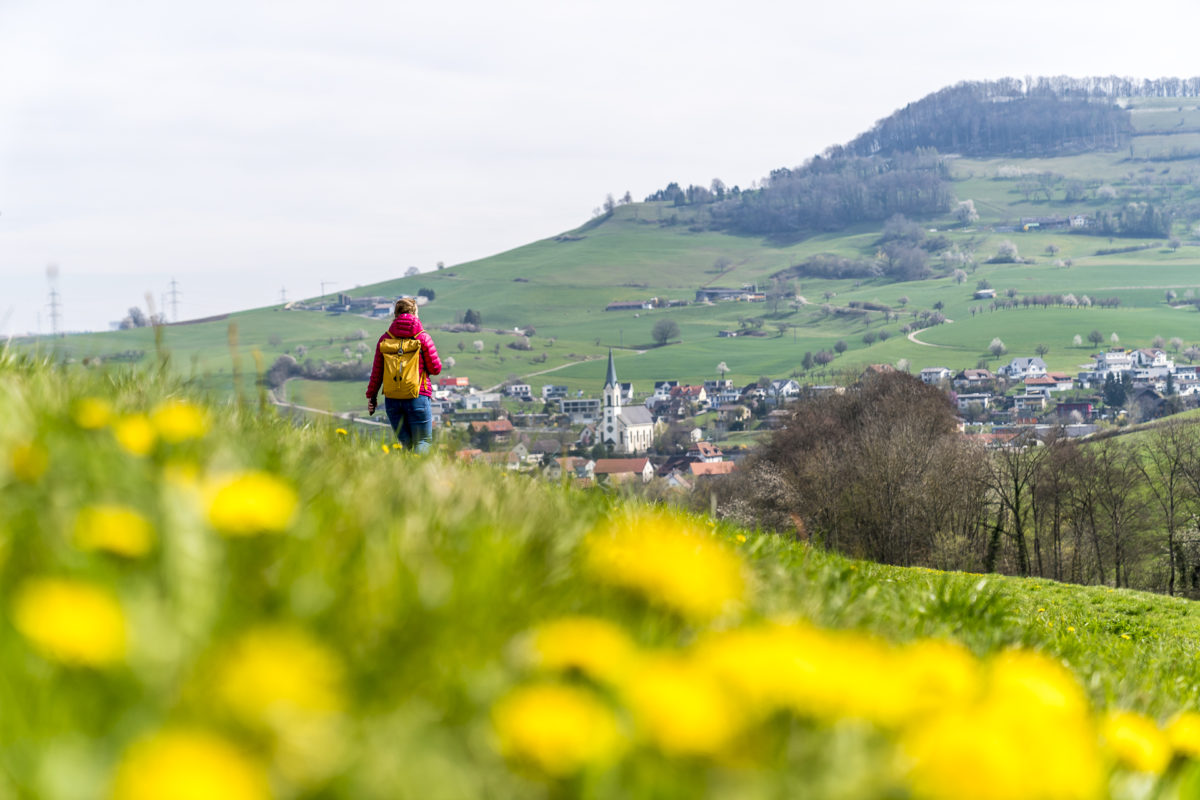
(881, 472)
(993, 118)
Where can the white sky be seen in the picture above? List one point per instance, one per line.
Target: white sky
(244, 147)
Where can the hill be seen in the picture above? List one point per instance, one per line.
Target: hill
(205, 595)
(670, 249)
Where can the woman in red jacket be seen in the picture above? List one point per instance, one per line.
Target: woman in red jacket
(412, 420)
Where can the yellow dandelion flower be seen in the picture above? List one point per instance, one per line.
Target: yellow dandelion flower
(1135, 742)
(180, 421)
(1183, 731)
(386, 449)
(29, 461)
(559, 730)
(1041, 611)
(70, 621)
(1126, 636)
(595, 647)
(1022, 677)
(682, 708)
(342, 432)
(251, 503)
(1070, 628)
(189, 765)
(113, 528)
(741, 537)
(135, 434)
(669, 562)
(92, 413)
(275, 677)
(998, 751)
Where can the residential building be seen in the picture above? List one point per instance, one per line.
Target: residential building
(622, 469)
(581, 410)
(935, 375)
(1020, 369)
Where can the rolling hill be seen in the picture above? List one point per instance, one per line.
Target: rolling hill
(561, 285)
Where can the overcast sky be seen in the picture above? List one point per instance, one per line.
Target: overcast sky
(243, 148)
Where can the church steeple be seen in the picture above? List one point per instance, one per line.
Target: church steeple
(611, 378)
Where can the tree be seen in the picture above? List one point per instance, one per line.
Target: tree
(1095, 337)
(960, 276)
(427, 293)
(965, 212)
(472, 318)
(840, 346)
(808, 361)
(477, 345)
(823, 357)
(1115, 339)
(1006, 253)
(1158, 342)
(869, 338)
(408, 273)
(664, 331)
(1041, 350)
(1176, 343)
(722, 369)
(997, 347)
(1052, 249)
(1077, 341)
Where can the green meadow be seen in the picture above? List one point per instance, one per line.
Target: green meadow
(188, 602)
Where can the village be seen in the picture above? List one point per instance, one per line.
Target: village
(669, 433)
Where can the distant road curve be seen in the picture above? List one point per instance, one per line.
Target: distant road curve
(912, 337)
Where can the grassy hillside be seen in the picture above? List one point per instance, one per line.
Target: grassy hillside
(560, 286)
(202, 594)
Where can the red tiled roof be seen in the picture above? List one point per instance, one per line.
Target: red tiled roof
(712, 468)
(610, 466)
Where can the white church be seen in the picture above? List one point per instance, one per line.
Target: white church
(629, 430)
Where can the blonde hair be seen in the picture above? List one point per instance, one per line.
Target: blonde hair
(405, 305)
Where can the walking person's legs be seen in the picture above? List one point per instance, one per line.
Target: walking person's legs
(418, 418)
(397, 418)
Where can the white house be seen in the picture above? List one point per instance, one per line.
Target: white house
(1022, 368)
(935, 375)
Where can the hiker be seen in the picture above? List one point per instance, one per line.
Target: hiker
(408, 409)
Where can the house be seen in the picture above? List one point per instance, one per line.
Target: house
(581, 410)
(706, 452)
(780, 391)
(500, 430)
(1020, 369)
(454, 383)
(502, 460)
(778, 418)
(518, 390)
(634, 305)
(991, 441)
(616, 470)
(974, 380)
(935, 375)
(468, 455)
(966, 400)
(727, 334)
(1024, 404)
(690, 394)
(676, 480)
(1050, 382)
(630, 430)
(723, 385)
(702, 469)
(480, 400)
(553, 392)
(571, 466)
(984, 294)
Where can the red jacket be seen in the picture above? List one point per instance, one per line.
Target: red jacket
(406, 326)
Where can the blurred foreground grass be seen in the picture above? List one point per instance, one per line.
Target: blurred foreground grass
(207, 600)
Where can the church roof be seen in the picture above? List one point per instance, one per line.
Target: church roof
(637, 415)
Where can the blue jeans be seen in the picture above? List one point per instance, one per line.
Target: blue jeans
(412, 420)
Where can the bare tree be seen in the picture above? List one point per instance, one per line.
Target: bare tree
(1168, 464)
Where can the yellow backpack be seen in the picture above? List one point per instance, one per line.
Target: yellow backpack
(401, 368)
